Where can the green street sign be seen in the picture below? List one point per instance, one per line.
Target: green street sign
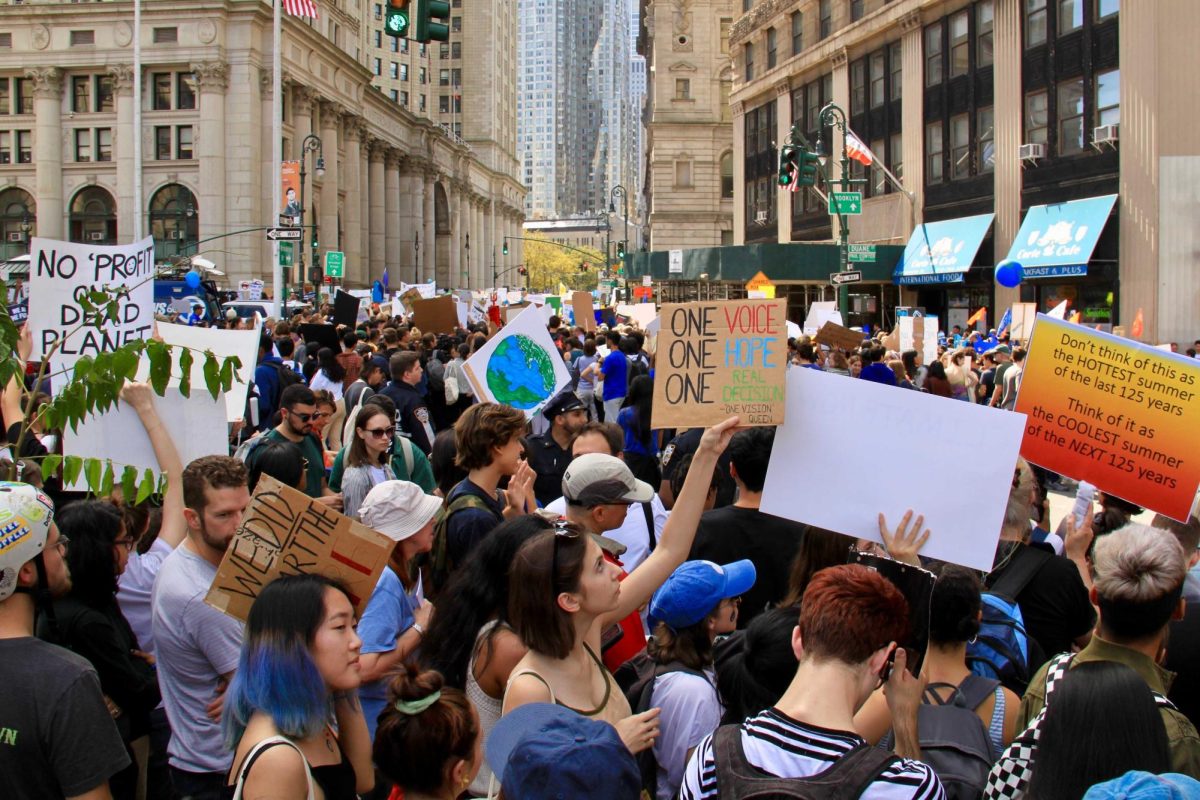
(286, 256)
(335, 263)
(862, 253)
(845, 202)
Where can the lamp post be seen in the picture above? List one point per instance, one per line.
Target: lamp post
(832, 114)
(416, 256)
(26, 229)
(466, 272)
(620, 190)
(607, 239)
(311, 144)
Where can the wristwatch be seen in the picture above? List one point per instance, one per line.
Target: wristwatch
(419, 628)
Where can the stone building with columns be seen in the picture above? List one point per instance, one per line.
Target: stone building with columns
(397, 191)
(1033, 117)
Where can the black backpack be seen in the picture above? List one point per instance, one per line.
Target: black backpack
(640, 692)
(954, 741)
(286, 377)
(847, 779)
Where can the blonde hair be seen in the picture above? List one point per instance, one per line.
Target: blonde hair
(1020, 498)
(1138, 564)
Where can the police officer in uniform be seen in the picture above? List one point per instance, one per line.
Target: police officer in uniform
(412, 414)
(550, 452)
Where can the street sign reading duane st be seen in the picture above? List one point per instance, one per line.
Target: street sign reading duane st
(862, 253)
(845, 202)
(838, 278)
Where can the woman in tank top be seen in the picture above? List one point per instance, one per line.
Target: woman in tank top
(297, 674)
(563, 594)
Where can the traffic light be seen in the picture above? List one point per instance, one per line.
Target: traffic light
(787, 165)
(522, 271)
(621, 249)
(431, 20)
(398, 17)
(504, 249)
(585, 266)
(807, 166)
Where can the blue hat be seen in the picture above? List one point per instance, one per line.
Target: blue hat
(1138, 785)
(695, 588)
(377, 362)
(543, 751)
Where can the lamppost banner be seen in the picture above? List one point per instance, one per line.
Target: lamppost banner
(289, 183)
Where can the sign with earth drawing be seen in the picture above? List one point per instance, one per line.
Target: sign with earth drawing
(519, 367)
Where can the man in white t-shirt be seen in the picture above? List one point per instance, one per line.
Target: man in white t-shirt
(634, 533)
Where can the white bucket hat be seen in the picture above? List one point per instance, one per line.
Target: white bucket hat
(398, 509)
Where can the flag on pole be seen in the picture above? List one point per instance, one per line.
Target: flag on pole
(301, 8)
(976, 317)
(858, 151)
(1005, 322)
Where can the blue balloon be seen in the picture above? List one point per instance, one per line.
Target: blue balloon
(1009, 273)
(192, 279)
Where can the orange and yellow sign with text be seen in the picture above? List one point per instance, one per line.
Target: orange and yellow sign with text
(1116, 413)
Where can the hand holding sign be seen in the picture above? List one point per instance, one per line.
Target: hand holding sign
(903, 544)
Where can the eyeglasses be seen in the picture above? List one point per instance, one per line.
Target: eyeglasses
(127, 543)
(382, 433)
(562, 530)
(322, 414)
(302, 417)
(61, 544)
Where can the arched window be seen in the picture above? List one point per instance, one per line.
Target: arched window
(18, 222)
(93, 217)
(174, 221)
(726, 175)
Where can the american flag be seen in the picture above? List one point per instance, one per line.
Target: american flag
(794, 186)
(301, 8)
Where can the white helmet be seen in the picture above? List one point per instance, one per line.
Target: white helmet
(25, 517)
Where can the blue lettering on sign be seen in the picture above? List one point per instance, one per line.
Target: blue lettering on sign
(746, 351)
(1061, 271)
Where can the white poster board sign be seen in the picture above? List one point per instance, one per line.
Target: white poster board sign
(427, 290)
(196, 424)
(675, 262)
(820, 312)
(243, 344)
(919, 333)
(519, 366)
(60, 270)
(981, 442)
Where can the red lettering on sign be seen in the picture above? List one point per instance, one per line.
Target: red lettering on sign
(354, 565)
(758, 319)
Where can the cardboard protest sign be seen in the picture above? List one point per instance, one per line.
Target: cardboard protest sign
(719, 358)
(345, 309)
(427, 290)
(285, 532)
(512, 311)
(223, 344)
(437, 315)
(1116, 413)
(836, 336)
(981, 442)
(197, 425)
(519, 366)
(919, 333)
(581, 304)
(644, 314)
(1023, 316)
(409, 297)
(60, 272)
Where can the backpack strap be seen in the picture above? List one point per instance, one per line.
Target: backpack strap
(974, 689)
(1013, 579)
(649, 514)
(258, 750)
(406, 452)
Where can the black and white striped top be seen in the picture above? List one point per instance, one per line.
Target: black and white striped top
(782, 746)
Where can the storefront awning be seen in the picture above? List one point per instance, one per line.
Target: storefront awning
(942, 252)
(1057, 240)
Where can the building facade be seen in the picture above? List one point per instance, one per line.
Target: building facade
(997, 113)
(397, 192)
(689, 190)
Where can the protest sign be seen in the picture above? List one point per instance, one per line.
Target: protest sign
(1116, 413)
(408, 297)
(345, 309)
(322, 335)
(435, 316)
(460, 312)
(223, 344)
(820, 312)
(919, 333)
(427, 290)
(719, 358)
(285, 532)
(398, 309)
(62, 272)
(197, 424)
(511, 312)
(836, 336)
(1059, 311)
(644, 314)
(581, 304)
(793, 330)
(823, 441)
(1023, 316)
(520, 366)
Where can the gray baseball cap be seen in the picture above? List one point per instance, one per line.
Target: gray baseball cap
(597, 479)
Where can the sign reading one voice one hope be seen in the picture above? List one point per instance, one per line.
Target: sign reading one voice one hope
(720, 358)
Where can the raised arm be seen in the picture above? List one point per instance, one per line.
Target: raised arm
(676, 540)
(10, 403)
(141, 397)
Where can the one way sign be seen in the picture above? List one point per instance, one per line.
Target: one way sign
(277, 234)
(838, 278)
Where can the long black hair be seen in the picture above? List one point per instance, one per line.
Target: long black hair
(475, 594)
(93, 526)
(330, 365)
(1079, 746)
(756, 665)
(639, 398)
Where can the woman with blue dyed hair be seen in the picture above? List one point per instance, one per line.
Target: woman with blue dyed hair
(298, 674)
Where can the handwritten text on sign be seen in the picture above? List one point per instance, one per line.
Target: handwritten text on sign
(720, 358)
(284, 532)
(1118, 414)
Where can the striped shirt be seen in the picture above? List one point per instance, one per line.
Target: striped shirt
(782, 746)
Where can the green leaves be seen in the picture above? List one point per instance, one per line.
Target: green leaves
(160, 365)
(185, 372)
(212, 374)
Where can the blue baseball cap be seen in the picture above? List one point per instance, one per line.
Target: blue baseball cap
(1138, 785)
(543, 751)
(695, 588)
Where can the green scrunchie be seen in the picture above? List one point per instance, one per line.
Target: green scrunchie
(414, 707)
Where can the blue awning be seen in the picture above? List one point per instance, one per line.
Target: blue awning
(942, 252)
(1058, 240)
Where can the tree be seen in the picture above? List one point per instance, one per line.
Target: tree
(550, 264)
(94, 385)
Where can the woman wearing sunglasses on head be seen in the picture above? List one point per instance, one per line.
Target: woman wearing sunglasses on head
(368, 461)
(564, 595)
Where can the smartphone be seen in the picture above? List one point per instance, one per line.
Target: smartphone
(1084, 497)
(885, 672)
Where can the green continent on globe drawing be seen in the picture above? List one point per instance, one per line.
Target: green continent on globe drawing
(520, 373)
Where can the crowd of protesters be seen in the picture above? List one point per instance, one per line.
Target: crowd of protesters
(576, 605)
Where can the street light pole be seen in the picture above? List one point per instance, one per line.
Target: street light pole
(416, 256)
(620, 190)
(311, 144)
(832, 114)
(467, 271)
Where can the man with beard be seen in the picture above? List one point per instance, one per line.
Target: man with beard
(196, 645)
(550, 452)
(297, 405)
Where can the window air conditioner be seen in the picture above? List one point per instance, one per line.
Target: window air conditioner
(1105, 134)
(16, 236)
(96, 236)
(1032, 152)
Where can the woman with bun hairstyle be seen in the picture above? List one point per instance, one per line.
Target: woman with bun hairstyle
(427, 742)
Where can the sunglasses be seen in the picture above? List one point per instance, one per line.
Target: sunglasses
(304, 418)
(562, 530)
(127, 543)
(381, 433)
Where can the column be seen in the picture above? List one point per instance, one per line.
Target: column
(47, 150)
(377, 209)
(458, 240)
(739, 177)
(356, 261)
(122, 79)
(363, 202)
(494, 228)
(410, 203)
(429, 238)
(302, 101)
(247, 256)
(912, 111)
(783, 129)
(212, 79)
(1009, 103)
(331, 115)
(393, 254)
(841, 96)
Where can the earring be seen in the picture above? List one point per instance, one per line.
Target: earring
(973, 639)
